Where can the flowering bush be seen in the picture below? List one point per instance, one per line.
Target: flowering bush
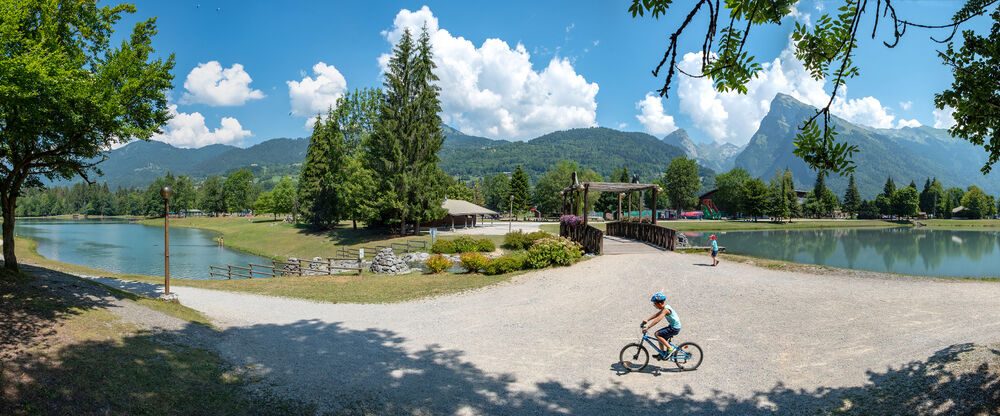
(438, 263)
(474, 262)
(570, 219)
(553, 251)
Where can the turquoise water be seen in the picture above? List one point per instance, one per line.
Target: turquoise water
(121, 247)
(914, 251)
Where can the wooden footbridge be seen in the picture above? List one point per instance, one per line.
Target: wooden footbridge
(626, 234)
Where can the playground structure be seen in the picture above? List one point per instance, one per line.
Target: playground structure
(709, 211)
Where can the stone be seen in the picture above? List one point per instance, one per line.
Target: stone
(386, 262)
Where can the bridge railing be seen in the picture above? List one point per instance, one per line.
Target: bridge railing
(587, 236)
(653, 234)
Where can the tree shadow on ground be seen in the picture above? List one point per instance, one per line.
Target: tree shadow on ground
(369, 371)
(34, 302)
(373, 371)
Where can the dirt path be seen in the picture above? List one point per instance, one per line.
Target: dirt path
(548, 342)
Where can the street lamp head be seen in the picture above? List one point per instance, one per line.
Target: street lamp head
(166, 193)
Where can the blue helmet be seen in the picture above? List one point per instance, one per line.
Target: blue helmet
(658, 297)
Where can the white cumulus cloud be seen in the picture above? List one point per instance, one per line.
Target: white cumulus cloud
(209, 83)
(944, 119)
(189, 130)
(653, 117)
(493, 90)
(907, 123)
(734, 118)
(316, 94)
(906, 105)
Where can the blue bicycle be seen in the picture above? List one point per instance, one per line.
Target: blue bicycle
(635, 356)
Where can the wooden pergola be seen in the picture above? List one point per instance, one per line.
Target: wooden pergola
(572, 194)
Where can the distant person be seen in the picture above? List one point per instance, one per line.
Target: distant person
(673, 323)
(221, 242)
(715, 249)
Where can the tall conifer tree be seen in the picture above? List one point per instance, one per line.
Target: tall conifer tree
(852, 198)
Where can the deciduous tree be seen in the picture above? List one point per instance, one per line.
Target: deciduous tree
(67, 95)
(682, 183)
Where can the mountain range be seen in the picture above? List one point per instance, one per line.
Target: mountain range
(720, 157)
(907, 154)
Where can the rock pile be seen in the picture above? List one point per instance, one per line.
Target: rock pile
(386, 262)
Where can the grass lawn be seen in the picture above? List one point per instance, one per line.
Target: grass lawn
(367, 288)
(280, 240)
(962, 224)
(724, 225)
(71, 355)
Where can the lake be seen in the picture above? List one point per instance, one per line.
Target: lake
(122, 247)
(906, 250)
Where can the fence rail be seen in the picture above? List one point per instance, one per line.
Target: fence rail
(312, 267)
(653, 234)
(587, 236)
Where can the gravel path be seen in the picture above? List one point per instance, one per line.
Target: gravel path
(548, 342)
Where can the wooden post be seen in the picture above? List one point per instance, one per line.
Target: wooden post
(229, 273)
(654, 204)
(250, 266)
(620, 196)
(586, 203)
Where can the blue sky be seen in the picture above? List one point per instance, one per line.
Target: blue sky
(578, 64)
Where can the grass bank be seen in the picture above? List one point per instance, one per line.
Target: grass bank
(277, 239)
(367, 288)
(963, 224)
(70, 354)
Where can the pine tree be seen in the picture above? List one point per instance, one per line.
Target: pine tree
(403, 151)
(791, 196)
(431, 181)
(852, 198)
(315, 193)
(520, 189)
(778, 206)
(890, 188)
(387, 151)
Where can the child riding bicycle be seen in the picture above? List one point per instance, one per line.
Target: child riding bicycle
(673, 323)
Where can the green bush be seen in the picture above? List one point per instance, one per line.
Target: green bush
(553, 251)
(474, 262)
(507, 263)
(438, 263)
(443, 247)
(519, 240)
(463, 245)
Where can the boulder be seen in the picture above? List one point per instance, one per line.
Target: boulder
(386, 262)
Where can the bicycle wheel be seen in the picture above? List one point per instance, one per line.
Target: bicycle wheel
(687, 356)
(633, 357)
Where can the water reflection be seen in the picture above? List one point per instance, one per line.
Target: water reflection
(898, 250)
(122, 247)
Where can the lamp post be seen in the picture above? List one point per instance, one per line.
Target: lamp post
(166, 193)
(510, 223)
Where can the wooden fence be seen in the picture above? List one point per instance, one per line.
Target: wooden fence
(311, 267)
(284, 268)
(587, 236)
(649, 233)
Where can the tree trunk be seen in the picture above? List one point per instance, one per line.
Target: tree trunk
(354, 223)
(10, 259)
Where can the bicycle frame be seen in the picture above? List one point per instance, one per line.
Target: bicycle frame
(655, 344)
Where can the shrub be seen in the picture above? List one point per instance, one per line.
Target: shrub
(463, 245)
(507, 263)
(553, 251)
(443, 247)
(438, 263)
(519, 240)
(474, 262)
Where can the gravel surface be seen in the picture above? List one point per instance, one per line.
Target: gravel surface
(548, 342)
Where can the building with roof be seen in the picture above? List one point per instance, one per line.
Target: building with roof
(462, 214)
